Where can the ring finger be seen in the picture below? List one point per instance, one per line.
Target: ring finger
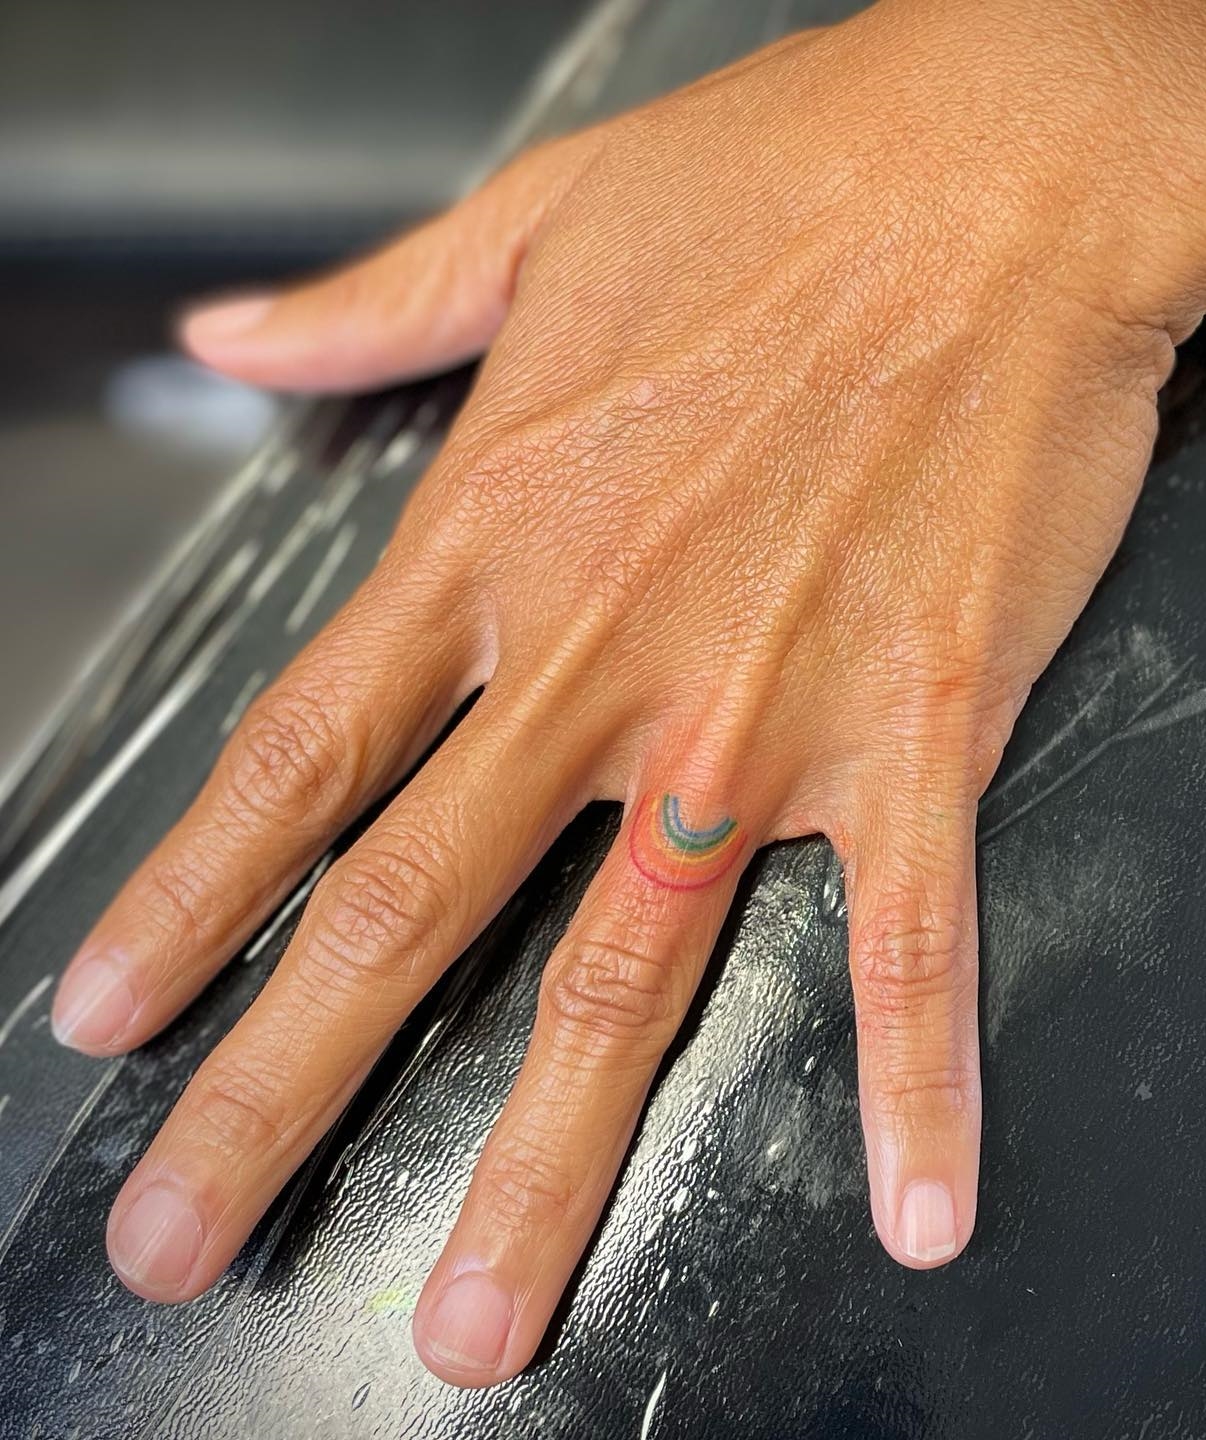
(613, 996)
(381, 927)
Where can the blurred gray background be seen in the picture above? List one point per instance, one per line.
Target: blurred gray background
(149, 153)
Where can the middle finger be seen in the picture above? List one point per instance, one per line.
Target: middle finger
(613, 996)
(380, 929)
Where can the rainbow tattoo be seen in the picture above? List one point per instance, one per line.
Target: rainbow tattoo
(671, 854)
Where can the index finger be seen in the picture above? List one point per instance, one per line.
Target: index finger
(358, 705)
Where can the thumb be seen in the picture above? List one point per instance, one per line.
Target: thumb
(425, 302)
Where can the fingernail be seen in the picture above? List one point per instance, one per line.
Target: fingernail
(925, 1229)
(157, 1240)
(227, 318)
(94, 1005)
(471, 1321)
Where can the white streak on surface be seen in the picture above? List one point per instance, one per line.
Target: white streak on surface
(181, 558)
(40, 858)
(23, 1006)
(282, 467)
(322, 577)
(295, 902)
(204, 609)
(341, 498)
(171, 703)
(251, 687)
(292, 544)
(1186, 708)
(1087, 758)
(1053, 741)
(3, 1103)
(396, 453)
(599, 37)
(74, 1126)
(647, 1422)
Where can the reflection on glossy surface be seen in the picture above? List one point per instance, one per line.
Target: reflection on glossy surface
(150, 153)
(735, 1288)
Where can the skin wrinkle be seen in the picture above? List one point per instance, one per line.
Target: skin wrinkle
(754, 420)
(818, 397)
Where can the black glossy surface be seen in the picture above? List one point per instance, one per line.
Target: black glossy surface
(738, 1259)
(152, 153)
(735, 1288)
(279, 126)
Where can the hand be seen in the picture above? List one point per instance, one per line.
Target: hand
(817, 399)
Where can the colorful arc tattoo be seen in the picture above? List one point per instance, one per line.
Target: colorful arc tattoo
(670, 853)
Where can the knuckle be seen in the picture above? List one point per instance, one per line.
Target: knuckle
(177, 899)
(908, 953)
(922, 1089)
(600, 995)
(471, 492)
(375, 913)
(942, 655)
(236, 1111)
(957, 688)
(286, 755)
(522, 1185)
